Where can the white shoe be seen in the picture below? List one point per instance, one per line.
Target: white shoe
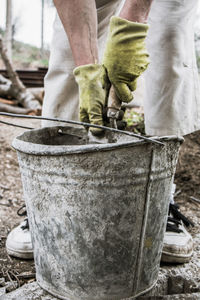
(18, 243)
(178, 243)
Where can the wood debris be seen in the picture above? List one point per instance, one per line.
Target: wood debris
(14, 88)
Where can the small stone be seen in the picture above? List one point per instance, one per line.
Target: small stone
(197, 264)
(11, 286)
(2, 281)
(2, 291)
(175, 285)
(190, 286)
(10, 202)
(4, 187)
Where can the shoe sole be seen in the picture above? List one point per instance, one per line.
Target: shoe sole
(20, 254)
(169, 258)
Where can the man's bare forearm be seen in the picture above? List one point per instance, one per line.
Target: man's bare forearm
(136, 10)
(79, 19)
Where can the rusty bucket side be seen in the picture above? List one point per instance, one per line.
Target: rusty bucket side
(97, 212)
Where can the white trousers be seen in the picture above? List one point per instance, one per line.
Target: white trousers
(172, 97)
(172, 101)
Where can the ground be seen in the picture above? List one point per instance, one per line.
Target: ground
(25, 56)
(11, 198)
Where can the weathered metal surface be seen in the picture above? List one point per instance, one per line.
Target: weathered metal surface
(97, 212)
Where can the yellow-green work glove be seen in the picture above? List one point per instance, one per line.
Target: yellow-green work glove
(125, 56)
(93, 93)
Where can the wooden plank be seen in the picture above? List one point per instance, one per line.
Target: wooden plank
(30, 78)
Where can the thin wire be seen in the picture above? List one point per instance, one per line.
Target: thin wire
(83, 124)
(16, 125)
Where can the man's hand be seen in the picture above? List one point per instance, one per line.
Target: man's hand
(93, 93)
(125, 56)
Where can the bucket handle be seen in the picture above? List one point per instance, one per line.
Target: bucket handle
(150, 140)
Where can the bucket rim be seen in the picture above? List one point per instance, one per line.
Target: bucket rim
(54, 150)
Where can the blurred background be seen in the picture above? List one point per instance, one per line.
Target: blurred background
(29, 26)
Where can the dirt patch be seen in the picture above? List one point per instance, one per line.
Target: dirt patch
(188, 170)
(11, 198)
(187, 178)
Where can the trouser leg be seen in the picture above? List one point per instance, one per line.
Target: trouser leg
(172, 101)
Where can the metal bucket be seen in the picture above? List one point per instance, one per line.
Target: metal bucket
(97, 212)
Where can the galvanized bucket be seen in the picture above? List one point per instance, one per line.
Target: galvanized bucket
(97, 212)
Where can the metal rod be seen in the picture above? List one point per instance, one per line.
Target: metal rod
(83, 124)
(194, 199)
(16, 125)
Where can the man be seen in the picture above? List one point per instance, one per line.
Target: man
(84, 63)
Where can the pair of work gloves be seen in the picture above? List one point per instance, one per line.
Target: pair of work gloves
(125, 59)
